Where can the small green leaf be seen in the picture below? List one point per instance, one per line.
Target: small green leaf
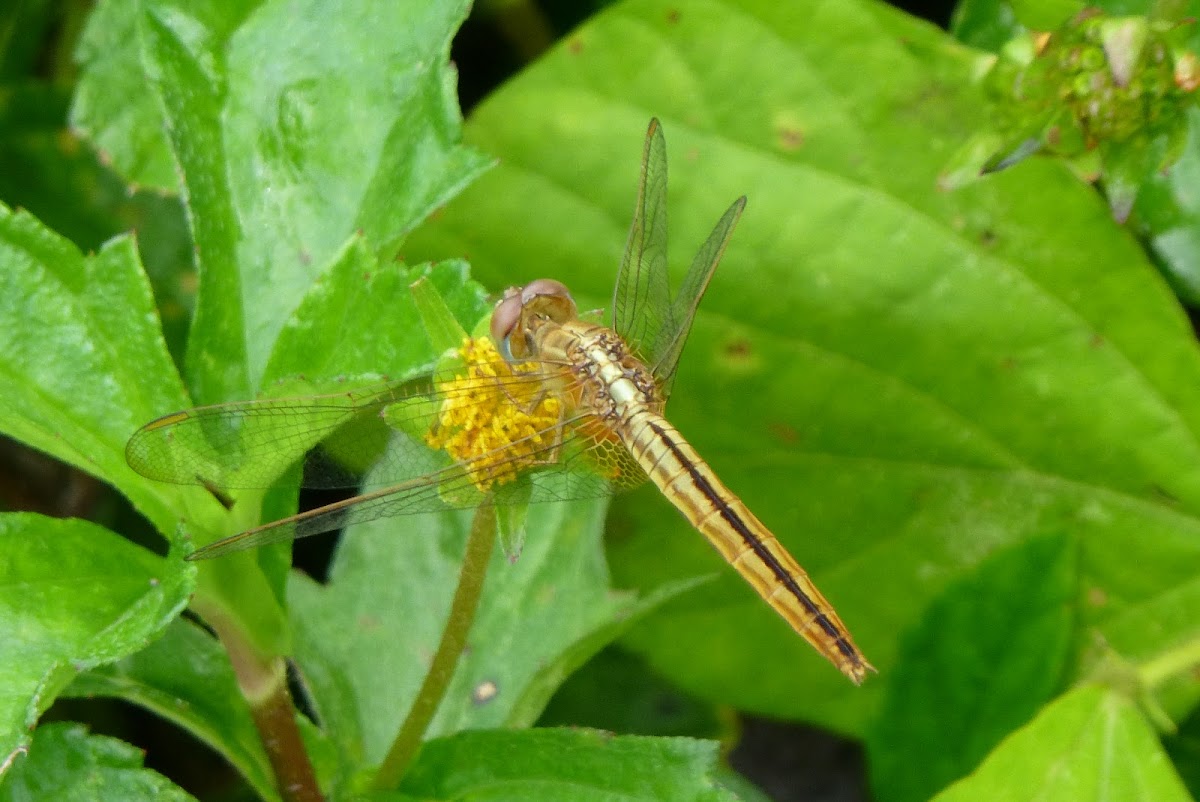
(985, 24)
(444, 332)
(74, 595)
(65, 762)
(510, 518)
(359, 323)
(989, 652)
(111, 106)
(580, 765)
(185, 677)
(1044, 15)
(1091, 743)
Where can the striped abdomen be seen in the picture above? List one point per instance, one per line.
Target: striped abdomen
(742, 540)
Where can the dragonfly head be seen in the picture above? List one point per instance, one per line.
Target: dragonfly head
(544, 299)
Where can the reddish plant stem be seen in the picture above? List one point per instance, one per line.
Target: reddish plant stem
(263, 683)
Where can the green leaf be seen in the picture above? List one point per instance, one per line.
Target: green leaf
(650, 704)
(361, 324)
(1184, 750)
(1045, 15)
(1089, 744)
(1167, 213)
(364, 641)
(74, 595)
(551, 676)
(444, 331)
(185, 677)
(581, 765)
(349, 131)
(985, 24)
(988, 653)
(98, 367)
(112, 108)
(897, 379)
(65, 762)
(510, 520)
(62, 182)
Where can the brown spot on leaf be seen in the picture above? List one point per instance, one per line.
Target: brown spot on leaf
(784, 433)
(790, 138)
(738, 349)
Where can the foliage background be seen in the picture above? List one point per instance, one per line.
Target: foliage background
(971, 415)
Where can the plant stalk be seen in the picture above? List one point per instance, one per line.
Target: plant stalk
(1183, 658)
(454, 639)
(263, 683)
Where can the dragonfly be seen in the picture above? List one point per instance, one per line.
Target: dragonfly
(552, 406)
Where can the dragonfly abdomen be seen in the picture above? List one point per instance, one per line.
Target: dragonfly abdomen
(744, 542)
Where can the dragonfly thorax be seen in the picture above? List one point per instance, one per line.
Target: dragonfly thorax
(612, 382)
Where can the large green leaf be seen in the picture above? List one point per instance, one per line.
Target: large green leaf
(72, 595)
(363, 643)
(580, 765)
(343, 129)
(1090, 744)
(65, 762)
(898, 379)
(82, 359)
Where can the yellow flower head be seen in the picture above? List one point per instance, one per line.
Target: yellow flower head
(496, 420)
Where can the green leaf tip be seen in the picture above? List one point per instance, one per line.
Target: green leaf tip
(440, 325)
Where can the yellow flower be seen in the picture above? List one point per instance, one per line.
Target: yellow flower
(496, 420)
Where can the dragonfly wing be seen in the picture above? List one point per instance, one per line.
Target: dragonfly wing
(643, 312)
(338, 437)
(249, 444)
(641, 299)
(669, 342)
(571, 470)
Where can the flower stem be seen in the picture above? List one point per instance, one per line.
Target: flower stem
(454, 639)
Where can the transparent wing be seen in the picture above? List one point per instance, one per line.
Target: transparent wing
(579, 468)
(641, 298)
(387, 434)
(643, 312)
(249, 444)
(673, 335)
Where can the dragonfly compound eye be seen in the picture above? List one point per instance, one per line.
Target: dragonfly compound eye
(550, 298)
(506, 316)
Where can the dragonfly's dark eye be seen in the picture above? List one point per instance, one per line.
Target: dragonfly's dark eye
(506, 316)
